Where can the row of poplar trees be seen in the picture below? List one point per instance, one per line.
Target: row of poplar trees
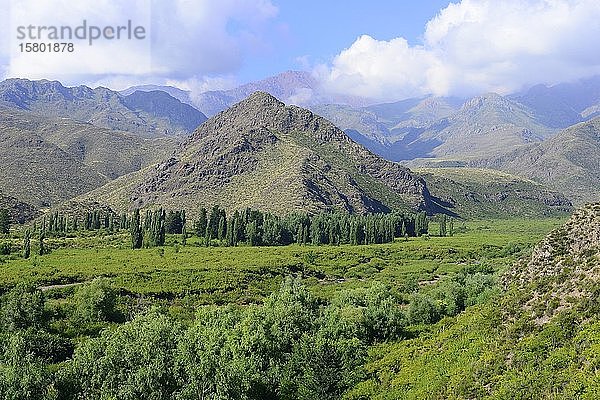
(256, 228)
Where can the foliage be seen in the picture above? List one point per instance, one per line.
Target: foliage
(95, 302)
(22, 307)
(4, 221)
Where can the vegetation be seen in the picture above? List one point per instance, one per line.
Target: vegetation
(98, 319)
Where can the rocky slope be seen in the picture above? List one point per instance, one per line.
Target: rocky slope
(19, 212)
(564, 269)
(485, 193)
(145, 113)
(568, 162)
(261, 153)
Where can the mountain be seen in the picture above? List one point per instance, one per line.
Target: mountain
(88, 152)
(415, 113)
(379, 126)
(485, 193)
(484, 126)
(145, 113)
(565, 104)
(261, 153)
(179, 94)
(296, 87)
(40, 173)
(19, 212)
(568, 162)
(439, 127)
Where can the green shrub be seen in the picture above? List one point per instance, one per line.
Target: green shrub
(22, 307)
(95, 302)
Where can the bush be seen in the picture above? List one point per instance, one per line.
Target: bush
(22, 307)
(95, 302)
(5, 249)
(382, 318)
(423, 310)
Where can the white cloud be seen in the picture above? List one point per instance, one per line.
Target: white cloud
(207, 37)
(188, 39)
(475, 46)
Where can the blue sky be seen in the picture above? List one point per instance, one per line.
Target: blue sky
(383, 50)
(319, 30)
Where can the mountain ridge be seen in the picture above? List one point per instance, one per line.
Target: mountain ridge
(146, 113)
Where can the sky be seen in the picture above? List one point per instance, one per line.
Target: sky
(384, 50)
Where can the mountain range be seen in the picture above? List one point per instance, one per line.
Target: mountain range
(149, 114)
(144, 146)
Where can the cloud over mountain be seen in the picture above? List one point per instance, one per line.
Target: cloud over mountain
(475, 46)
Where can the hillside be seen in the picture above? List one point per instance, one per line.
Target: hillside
(263, 154)
(568, 162)
(485, 193)
(40, 173)
(145, 113)
(538, 339)
(48, 160)
(93, 146)
(19, 212)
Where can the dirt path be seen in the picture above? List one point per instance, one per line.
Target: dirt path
(66, 285)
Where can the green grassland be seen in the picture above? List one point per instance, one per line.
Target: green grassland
(247, 274)
(417, 318)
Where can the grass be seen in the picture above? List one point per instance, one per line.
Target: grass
(247, 274)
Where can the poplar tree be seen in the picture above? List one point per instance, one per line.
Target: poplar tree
(4, 221)
(27, 244)
(42, 249)
(137, 238)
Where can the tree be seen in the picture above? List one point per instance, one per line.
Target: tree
(443, 230)
(42, 249)
(137, 238)
(22, 307)
(4, 221)
(174, 222)
(133, 361)
(183, 235)
(95, 302)
(27, 244)
(201, 223)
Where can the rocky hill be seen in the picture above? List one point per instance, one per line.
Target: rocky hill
(48, 160)
(568, 162)
(19, 212)
(485, 193)
(261, 153)
(564, 269)
(145, 113)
